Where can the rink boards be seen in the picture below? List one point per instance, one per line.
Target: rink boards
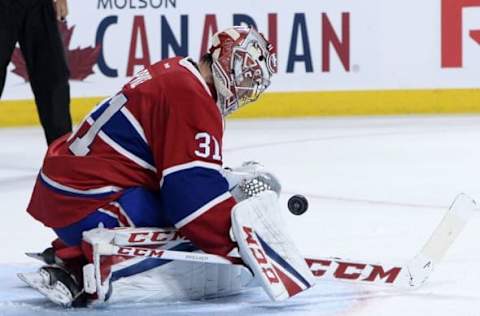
(299, 104)
(335, 57)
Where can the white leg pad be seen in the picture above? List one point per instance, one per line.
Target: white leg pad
(266, 248)
(170, 281)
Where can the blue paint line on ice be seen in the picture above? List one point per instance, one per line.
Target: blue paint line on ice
(302, 141)
(367, 201)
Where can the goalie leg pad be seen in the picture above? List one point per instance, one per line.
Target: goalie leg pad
(116, 278)
(266, 248)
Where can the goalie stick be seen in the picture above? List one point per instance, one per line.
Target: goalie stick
(410, 275)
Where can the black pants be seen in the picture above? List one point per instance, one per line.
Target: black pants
(33, 24)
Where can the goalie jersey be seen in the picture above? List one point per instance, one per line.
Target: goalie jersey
(163, 132)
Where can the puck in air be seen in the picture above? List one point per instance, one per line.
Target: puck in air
(297, 204)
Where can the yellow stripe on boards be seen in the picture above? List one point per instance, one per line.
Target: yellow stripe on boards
(24, 112)
(298, 104)
(375, 102)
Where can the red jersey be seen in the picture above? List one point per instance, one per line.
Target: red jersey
(163, 131)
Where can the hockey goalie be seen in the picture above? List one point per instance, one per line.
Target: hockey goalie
(150, 157)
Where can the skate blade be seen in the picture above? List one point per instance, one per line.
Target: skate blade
(56, 293)
(35, 255)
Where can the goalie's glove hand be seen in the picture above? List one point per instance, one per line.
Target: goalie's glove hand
(250, 179)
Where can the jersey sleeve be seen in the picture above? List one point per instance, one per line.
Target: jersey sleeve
(194, 193)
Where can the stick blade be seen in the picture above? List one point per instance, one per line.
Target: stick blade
(450, 227)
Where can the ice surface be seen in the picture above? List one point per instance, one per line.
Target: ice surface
(377, 188)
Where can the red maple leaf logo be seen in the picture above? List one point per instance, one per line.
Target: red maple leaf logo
(80, 60)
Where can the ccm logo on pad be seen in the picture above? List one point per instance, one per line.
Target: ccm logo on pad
(259, 255)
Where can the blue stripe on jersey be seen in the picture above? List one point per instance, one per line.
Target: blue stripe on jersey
(75, 194)
(185, 191)
(143, 207)
(149, 263)
(124, 134)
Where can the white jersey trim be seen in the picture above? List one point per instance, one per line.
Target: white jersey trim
(111, 214)
(65, 188)
(78, 126)
(189, 165)
(185, 63)
(123, 151)
(136, 125)
(122, 211)
(219, 199)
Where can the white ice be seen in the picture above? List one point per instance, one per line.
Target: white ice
(377, 188)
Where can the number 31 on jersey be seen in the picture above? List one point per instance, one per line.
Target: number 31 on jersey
(208, 146)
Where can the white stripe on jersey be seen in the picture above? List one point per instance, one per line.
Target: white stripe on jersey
(122, 211)
(77, 127)
(122, 151)
(219, 199)
(65, 188)
(111, 214)
(189, 165)
(185, 63)
(136, 125)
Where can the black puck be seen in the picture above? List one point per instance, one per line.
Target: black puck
(297, 204)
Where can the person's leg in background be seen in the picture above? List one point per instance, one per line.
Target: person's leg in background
(11, 12)
(42, 48)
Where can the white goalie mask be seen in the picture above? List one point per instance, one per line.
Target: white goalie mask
(243, 62)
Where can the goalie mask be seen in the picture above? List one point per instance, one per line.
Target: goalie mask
(243, 63)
